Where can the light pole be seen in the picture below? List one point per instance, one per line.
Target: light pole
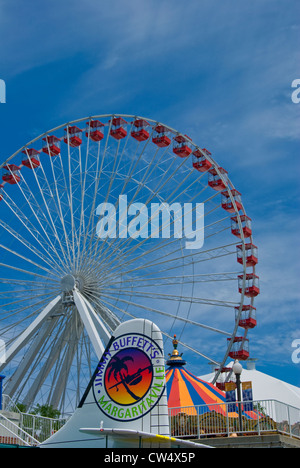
(237, 369)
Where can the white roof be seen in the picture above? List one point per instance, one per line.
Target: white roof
(266, 387)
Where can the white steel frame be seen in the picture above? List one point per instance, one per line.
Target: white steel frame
(53, 235)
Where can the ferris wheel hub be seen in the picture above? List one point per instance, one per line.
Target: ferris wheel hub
(68, 283)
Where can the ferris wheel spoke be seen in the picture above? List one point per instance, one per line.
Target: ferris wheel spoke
(134, 163)
(71, 198)
(24, 299)
(140, 185)
(125, 312)
(196, 351)
(28, 226)
(117, 161)
(158, 188)
(25, 271)
(110, 184)
(160, 312)
(196, 300)
(83, 182)
(174, 280)
(35, 210)
(35, 308)
(162, 245)
(17, 292)
(90, 223)
(97, 181)
(195, 181)
(57, 204)
(190, 259)
(146, 270)
(26, 283)
(195, 258)
(28, 260)
(124, 265)
(29, 246)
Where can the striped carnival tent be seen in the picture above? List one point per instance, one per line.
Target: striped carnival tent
(185, 390)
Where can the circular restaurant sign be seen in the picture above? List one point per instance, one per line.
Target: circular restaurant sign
(130, 377)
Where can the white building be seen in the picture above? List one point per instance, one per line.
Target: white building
(264, 386)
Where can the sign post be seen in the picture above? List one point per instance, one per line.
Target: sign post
(2, 377)
(230, 396)
(247, 396)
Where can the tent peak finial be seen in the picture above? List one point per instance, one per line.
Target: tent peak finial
(175, 359)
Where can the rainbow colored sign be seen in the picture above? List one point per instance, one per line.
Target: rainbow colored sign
(130, 377)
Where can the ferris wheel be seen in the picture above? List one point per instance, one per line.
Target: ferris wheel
(108, 218)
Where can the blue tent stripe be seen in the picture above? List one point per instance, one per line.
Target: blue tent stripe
(208, 386)
(170, 382)
(197, 400)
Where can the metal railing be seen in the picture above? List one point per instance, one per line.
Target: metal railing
(11, 433)
(39, 428)
(190, 422)
(219, 420)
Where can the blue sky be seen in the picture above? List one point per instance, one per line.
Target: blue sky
(218, 70)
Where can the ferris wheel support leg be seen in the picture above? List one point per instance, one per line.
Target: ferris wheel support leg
(101, 328)
(61, 381)
(46, 368)
(15, 381)
(94, 328)
(30, 330)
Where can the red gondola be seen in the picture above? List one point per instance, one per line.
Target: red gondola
(251, 284)
(181, 146)
(240, 348)
(73, 136)
(118, 130)
(220, 383)
(200, 161)
(52, 146)
(140, 133)
(250, 255)
(216, 181)
(93, 130)
(248, 316)
(160, 138)
(32, 161)
(246, 226)
(227, 204)
(11, 174)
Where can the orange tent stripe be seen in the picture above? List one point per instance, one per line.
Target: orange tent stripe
(174, 396)
(179, 395)
(168, 375)
(207, 395)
